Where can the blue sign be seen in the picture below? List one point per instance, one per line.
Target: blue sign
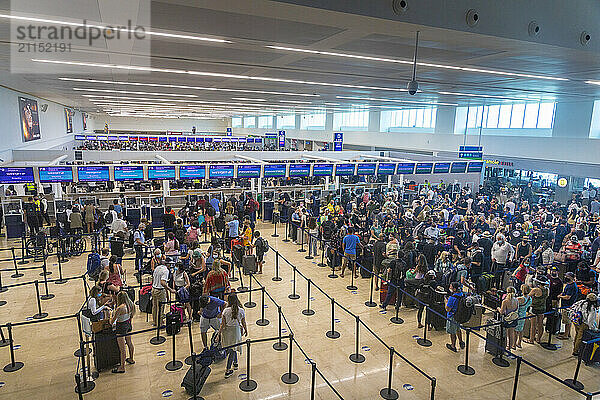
(248, 171)
(274, 170)
(281, 138)
(220, 171)
(123, 138)
(458, 167)
(161, 172)
(162, 139)
(344, 169)
(338, 146)
(172, 139)
(90, 137)
(113, 138)
(470, 148)
(424, 168)
(56, 174)
(199, 140)
(338, 141)
(475, 167)
(181, 139)
(471, 155)
(16, 175)
(257, 140)
(322, 169)
(441, 168)
(79, 137)
(386, 169)
(129, 173)
(229, 132)
(93, 174)
(299, 170)
(366, 169)
(405, 168)
(192, 172)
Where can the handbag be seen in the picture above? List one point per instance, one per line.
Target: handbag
(512, 316)
(99, 326)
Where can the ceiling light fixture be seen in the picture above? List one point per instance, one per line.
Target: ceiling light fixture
(131, 92)
(395, 101)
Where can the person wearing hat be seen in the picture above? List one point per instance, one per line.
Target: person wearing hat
(584, 315)
(523, 250)
(486, 244)
(139, 243)
(567, 298)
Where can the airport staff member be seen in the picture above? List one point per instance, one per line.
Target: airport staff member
(139, 242)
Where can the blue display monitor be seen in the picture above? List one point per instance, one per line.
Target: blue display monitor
(181, 139)
(191, 139)
(248, 171)
(162, 139)
(274, 170)
(129, 173)
(458, 167)
(386, 169)
(161, 172)
(257, 140)
(299, 170)
(172, 139)
(11, 175)
(79, 137)
(441, 168)
(90, 137)
(208, 139)
(344, 169)
(55, 174)
(192, 172)
(405, 168)
(242, 140)
(113, 138)
(475, 167)
(93, 174)
(366, 169)
(102, 137)
(424, 168)
(322, 169)
(250, 140)
(123, 138)
(220, 171)
(199, 140)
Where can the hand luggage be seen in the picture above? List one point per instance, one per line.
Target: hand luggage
(130, 292)
(238, 253)
(437, 318)
(366, 260)
(493, 299)
(553, 321)
(407, 300)
(178, 309)
(383, 293)
(106, 350)
(193, 384)
(591, 352)
(475, 319)
(173, 323)
(249, 263)
(215, 347)
(506, 279)
(495, 339)
(145, 300)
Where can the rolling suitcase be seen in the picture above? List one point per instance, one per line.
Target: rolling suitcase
(173, 323)
(193, 384)
(145, 300)
(130, 292)
(495, 339)
(590, 353)
(407, 300)
(106, 350)
(238, 253)
(366, 261)
(249, 263)
(553, 321)
(383, 293)
(475, 319)
(435, 318)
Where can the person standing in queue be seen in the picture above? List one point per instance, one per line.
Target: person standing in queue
(232, 328)
(121, 319)
(452, 327)
(160, 286)
(212, 308)
(139, 242)
(350, 242)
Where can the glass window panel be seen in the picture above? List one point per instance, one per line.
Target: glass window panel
(419, 122)
(236, 122)
(531, 115)
(518, 112)
(472, 117)
(546, 115)
(427, 117)
(286, 121)
(249, 122)
(492, 116)
(504, 118)
(265, 121)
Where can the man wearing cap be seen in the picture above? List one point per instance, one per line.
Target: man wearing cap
(486, 244)
(567, 298)
(139, 242)
(586, 312)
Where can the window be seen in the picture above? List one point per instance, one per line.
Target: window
(314, 121)
(352, 120)
(504, 117)
(265, 122)
(510, 116)
(236, 122)
(409, 118)
(517, 116)
(286, 121)
(249, 122)
(493, 112)
(531, 115)
(546, 115)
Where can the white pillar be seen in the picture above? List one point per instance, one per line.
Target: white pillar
(57, 190)
(389, 181)
(337, 183)
(166, 188)
(253, 185)
(259, 184)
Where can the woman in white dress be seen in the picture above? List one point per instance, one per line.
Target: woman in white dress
(233, 326)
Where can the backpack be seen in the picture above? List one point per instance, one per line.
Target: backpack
(448, 277)
(108, 218)
(263, 245)
(327, 230)
(93, 265)
(192, 236)
(464, 311)
(210, 211)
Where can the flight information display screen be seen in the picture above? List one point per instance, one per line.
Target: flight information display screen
(441, 168)
(458, 167)
(424, 168)
(16, 175)
(274, 170)
(386, 169)
(366, 169)
(55, 174)
(406, 168)
(475, 167)
(322, 169)
(129, 173)
(301, 170)
(220, 171)
(192, 172)
(93, 174)
(161, 172)
(344, 169)
(248, 171)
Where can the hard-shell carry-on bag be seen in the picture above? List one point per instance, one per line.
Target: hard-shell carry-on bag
(495, 338)
(249, 263)
(193, 384)
(173, 323)
(145, 299)
(106, 350)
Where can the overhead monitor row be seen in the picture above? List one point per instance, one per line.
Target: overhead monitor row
(170, 139)
(104, 173)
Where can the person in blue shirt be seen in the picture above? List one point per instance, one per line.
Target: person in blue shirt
(214, 202)
(211, 315)
(350, 242)
(451, 325)
(568, 297)
(233, 230)
(118, 208)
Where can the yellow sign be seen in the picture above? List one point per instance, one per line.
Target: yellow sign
(562, 182)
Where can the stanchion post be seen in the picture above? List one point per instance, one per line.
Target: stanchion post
(250, 303)
(2, 287)
(313, 378)
(78, 386)
(396, 319)
(190, 359)
(333, 275)
(78, 353)
(44, 266)
(371, 303)
(294, 295)
(156, 340)
(174, 364)
(310, 241)
(549, 345)
(574, 383)
(498, 360)
(433, 385)
(301, 249)
(46, 295)
(3, 341)
(39, 314)
(465, 369)
(248, 384)
(424, 341)
(14, 365)
(352, 286)
(332, 334)
(242, 288)
(23, 261)
(322, 264)
(279, 345)
(86, 386)
(17, 274)
(356, 357)
(388, 393)
(60, 280)
(287, 228)
(262, 321)
(275, 220)
(276, 278)
(233, 278)
(516, 382)
(194, 394)
(289, 377)
(308, 311)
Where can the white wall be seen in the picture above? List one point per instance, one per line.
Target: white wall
(52, 125)
(161, 125)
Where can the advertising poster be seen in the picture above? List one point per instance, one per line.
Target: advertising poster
(69, 120)
(30, 119)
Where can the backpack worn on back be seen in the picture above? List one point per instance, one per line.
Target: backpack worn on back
(464, 311)
(108, 218)
(210, 210)
(263, 245)
(93, 265)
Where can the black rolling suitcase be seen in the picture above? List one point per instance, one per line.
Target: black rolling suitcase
(249, 263)
(407, 300)
(145, 301)
(590, 353)
(366, 260)
(106, 350)
(193, 384)
(238, 254)
(173, 323)
(553, 321)
(438, 322)
(495, 338)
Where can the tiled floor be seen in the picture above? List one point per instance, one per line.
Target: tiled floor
(47, 348)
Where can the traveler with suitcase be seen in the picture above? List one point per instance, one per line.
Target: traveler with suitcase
(524, 304)
(232, 328)
(452, 307)
(395, 275)
(509, 313)
(584, 315)
(539, 294)
(425, 294)
(211, 316)
(568, 297)
(160, 286)
(121, 319)
(262, 246)
(217, 280)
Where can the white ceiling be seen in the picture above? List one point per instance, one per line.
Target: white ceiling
(355, 70)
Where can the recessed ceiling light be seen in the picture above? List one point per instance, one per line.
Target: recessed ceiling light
(481, 95)
(295, 101)
(247, 99)
(593, 82)
(396, 101)
(423, 64)
(130, 92)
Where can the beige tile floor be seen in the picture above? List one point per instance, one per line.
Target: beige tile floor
(47, 349)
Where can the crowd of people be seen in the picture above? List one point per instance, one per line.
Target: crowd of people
(165, 146)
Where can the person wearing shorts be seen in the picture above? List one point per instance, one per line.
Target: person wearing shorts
(211, 316)
(451, 325)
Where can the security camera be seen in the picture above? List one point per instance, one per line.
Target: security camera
(413, 87)
(585, 38)
(472, 18)
(399, 6)
(533, 29)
